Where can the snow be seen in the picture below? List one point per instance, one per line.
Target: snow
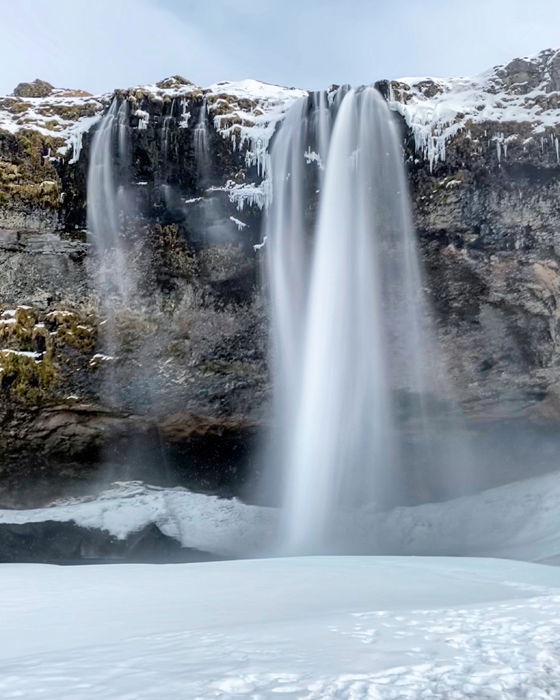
(143, 118)
(268, 104)
(185, 117)
(255, 89)
(59, 315)
(247, 112)
(75, 136)
(315, 628)
(38, 116)
(247, 194)
(255, 108)
(240, 225)
(313, 157)
(22, 353)
(260, 246)
(459, 103)
(98, 358)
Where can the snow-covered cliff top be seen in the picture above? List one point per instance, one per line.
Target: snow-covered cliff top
(245, 111)
(523, 96)
(525, 91)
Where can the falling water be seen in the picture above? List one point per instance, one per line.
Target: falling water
(213, 222)
(303, 138)
(201, 151)
(298, 157)
(109, 212)
(167, 121)
(349, 319)
(107, 200)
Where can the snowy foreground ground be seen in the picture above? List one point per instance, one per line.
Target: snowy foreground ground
(313, 627)
(323, 627)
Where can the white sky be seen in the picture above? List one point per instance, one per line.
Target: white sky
(98, 45)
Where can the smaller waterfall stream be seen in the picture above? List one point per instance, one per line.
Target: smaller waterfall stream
(108, 174)
(167, 121)
(201, 151)
(352, 340)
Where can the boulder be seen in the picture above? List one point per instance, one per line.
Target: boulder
(38, 88)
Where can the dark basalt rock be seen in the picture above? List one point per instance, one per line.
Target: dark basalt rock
(85, 446)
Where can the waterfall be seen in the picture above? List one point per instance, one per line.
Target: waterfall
(107, 200)
(213, 223)
(110, 211)
(352, 338)
(167, 121)
(201, 151)
(298, 156)
(303, 138)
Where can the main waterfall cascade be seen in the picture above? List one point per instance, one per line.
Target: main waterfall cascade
(357, 377)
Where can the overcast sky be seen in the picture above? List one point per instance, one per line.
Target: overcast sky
(98, 45)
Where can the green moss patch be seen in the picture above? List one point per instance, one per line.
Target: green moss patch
(27, 173)
(27, 378)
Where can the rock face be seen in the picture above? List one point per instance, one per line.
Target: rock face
(487, 207)
(484, 163)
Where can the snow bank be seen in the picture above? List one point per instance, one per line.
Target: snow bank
(219, 526)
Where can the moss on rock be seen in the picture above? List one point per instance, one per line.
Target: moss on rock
(27, 171)
(68, 328)
(27, 378)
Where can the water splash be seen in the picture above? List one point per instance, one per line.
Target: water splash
(352, 338)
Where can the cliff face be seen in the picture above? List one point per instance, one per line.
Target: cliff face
(484, 165)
